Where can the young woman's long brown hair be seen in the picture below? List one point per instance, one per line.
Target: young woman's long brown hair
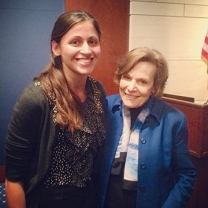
(53, 80)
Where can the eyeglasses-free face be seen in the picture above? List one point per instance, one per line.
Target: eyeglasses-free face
(136, 86)
(79, 49)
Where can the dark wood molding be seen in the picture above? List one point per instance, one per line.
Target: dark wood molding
(2, 174)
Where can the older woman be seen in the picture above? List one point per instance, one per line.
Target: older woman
(146, 162)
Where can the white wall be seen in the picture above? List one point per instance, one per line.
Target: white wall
(177, 29)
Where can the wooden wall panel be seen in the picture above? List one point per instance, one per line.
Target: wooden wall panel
(2, 174)
(199, 197)
(113, 17)
(197, 119)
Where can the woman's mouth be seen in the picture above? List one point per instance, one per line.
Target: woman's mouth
(130, 97)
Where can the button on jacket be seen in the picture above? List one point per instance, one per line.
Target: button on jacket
(166, 174)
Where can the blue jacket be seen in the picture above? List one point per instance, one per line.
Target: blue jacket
(166, 174)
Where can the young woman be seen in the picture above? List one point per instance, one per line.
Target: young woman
(146, 162)
(57, 129)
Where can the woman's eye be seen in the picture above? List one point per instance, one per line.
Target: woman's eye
(93, 42)
(142, 82)
(125, 76)
(75, 42)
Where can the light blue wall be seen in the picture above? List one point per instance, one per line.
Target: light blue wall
(25, 27)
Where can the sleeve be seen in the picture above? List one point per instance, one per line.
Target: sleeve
(22, 135)
(184, 171)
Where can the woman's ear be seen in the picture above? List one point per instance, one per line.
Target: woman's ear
(153, 90)
(55, 48)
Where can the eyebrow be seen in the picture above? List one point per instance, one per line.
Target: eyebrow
(141, 78)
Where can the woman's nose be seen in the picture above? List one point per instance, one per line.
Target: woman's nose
(85, 48)
(132, 86)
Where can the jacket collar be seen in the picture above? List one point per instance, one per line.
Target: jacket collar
(154, 104)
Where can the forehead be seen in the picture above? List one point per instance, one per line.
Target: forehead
(143, 69)
(85, 27)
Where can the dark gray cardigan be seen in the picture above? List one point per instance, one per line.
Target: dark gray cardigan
(31, 135)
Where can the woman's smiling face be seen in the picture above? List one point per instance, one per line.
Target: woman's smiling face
(79, 49)
(136, 86)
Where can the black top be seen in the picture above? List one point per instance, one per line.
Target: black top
(74, 154)
(125, 191)
(33, 133)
